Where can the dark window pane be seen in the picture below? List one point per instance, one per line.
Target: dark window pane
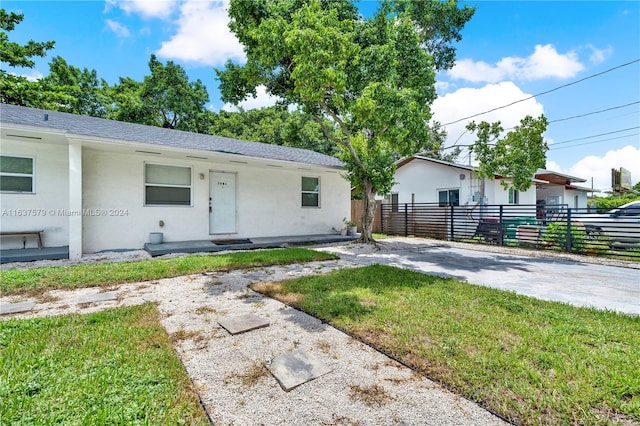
(16, 183)
(162, 195)
(310, 200)
(16, 165)
(454, 197)
(310, 184)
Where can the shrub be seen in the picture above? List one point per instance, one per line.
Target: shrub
(557, 235)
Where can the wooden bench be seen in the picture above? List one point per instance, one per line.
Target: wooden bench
(25, 233)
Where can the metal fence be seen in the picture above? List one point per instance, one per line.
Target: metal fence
(551, 227)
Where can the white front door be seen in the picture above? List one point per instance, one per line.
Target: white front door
(222, 203)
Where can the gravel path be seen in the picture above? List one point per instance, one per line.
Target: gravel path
(363, 388)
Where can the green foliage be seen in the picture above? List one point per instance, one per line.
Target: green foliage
(15, 89)
(166, 98)
(274, 125)
(517, 156)
(372, 78)
(532, 361)
(556, 234)
(612, 202)
(112, 367)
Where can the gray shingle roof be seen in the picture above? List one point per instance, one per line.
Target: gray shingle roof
(81, 125)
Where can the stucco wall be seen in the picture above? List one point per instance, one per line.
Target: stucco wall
(566, 196)
(45, 209)
(268, 202)
(425, 179)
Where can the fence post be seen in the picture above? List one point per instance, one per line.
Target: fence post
(451, 220)
(569, 235)
(501, 226)
(381, 221)
(406, 219)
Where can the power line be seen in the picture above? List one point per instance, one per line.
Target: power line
(586, 114)
(594, 112)
(595, 136)
(552, 148)
(545, 92)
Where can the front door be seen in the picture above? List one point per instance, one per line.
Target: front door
(222, 203)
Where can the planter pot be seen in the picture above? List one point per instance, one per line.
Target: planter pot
(352, 230)
(343, 231)
(155, 238)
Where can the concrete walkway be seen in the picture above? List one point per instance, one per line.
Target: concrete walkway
(545, 276)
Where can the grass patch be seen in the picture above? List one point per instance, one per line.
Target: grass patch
(37, 280)
(111, 367)
(534, 362)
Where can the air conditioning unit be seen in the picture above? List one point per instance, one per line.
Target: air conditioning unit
(462, 176)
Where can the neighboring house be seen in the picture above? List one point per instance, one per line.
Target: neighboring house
(93, 184)
(561, 189)
(427, 180)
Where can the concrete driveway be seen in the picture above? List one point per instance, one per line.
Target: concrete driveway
(545, 276)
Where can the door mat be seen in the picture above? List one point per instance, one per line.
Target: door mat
(229, 242)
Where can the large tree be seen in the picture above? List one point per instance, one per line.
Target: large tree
(16, 89)
(73, 90)
(166, 98)
(516, 156)
(372, 78)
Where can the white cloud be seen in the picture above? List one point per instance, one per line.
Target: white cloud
(599, 168)
(31, 75)
(203, 36)
(599, 55)
(119, 29)
(262, 99)
(147, 8)
(544, 62)
(467, 101)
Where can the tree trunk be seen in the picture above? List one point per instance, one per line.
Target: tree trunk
(368, 216)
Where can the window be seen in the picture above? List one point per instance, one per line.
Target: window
(310, 192)
(449, 197)
(514, 196)
(16, 174)
(394, 202)
(167, 185)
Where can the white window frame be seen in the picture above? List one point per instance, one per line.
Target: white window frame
(447, 190)
(145, 185)
(32, 175)
(513, 196)
(302, 191)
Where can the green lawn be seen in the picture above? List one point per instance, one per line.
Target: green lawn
(33, 281)
(113, 367)
(532, 361)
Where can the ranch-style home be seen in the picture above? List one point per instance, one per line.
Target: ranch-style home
(426, 180)
(93, 185)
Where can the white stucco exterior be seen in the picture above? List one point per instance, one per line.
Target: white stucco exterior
(90, 195)
(574, 198)
(421, 180)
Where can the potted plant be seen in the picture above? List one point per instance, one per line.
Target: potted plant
(351, 227)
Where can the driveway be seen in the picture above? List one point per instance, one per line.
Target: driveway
(566, 279)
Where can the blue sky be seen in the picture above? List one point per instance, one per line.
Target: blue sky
(510, 50)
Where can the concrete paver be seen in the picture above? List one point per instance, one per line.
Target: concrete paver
(243, 323)
(295, 368)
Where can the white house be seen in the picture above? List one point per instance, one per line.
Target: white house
(427, 180)
(93, 184)
(557, 188)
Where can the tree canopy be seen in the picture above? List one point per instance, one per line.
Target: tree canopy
(517, 156)
(16, 89)
(373, 78)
